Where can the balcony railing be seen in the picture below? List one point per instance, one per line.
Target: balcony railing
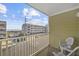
(23, 45)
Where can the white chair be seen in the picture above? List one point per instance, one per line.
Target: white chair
(66, 46)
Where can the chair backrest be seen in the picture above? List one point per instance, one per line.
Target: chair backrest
(70, 41)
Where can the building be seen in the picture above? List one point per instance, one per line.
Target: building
(14, 33)
(29, 29)
(2, 29)
(33, 29)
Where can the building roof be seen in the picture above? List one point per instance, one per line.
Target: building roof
(32, 24)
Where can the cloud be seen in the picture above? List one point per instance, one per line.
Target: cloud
(36, 22)
(34, 12)
(30, 12)
(5, 15)
(25, 11)
(3, 9)
(45, 18)
(13, 16)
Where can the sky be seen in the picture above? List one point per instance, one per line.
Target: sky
(14, 14)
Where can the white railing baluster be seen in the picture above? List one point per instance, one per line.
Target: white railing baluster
(27, 51)
(7, 48)
(22, 46)
(31, 44)
(28, 45)
(0, 48)
(25, 45)
(19, 46)
(16, 47)
(11, 47)
(34, 42)
(3, 47)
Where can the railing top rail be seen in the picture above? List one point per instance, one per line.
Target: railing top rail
(20, 37)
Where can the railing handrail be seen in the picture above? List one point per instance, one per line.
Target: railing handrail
(19, 37)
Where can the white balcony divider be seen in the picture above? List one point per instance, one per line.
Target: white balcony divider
(24, 45)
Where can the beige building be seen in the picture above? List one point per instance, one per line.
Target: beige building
(33, 29)
(2, 29)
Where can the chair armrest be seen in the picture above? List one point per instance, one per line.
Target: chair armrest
(73, 50)
(67, 49)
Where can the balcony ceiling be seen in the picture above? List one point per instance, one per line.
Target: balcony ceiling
(54, 8)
